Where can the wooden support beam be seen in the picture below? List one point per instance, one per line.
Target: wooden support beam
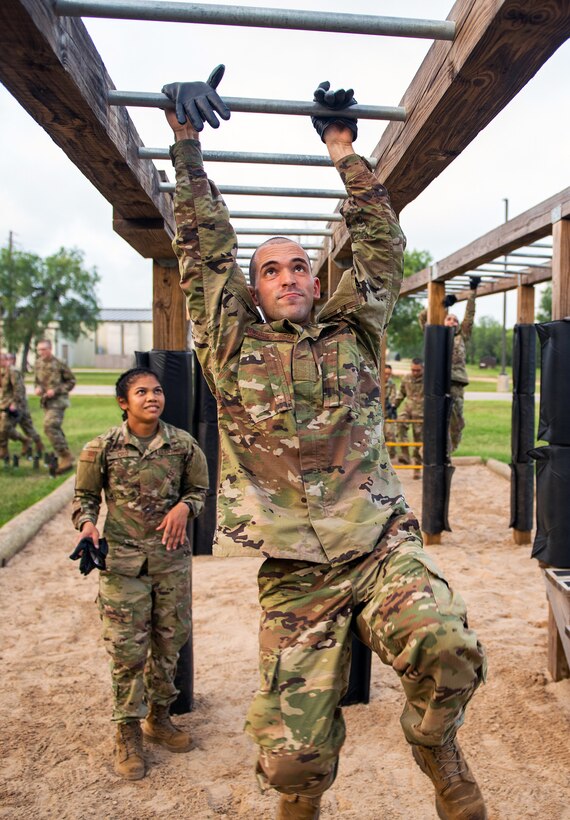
(526, 279)
(522, 230)
(169, 322)
(52, 68)
(561, 269)
(462, 86)
(435, 308)
(334, 276)
(525, 304)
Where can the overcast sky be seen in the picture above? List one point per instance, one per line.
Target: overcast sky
(523, 155)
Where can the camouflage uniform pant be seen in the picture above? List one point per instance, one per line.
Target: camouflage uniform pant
(53, 421)
(27, 425)
(404, 418)
(8, 431)
(456, 421)
(146, 620)
(402, 608)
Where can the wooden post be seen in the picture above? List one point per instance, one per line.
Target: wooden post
(435, 316)
(525, 316)
(561, 269)
(435, 308)
(169, 322)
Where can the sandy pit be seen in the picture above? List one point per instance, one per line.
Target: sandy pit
(56, 737)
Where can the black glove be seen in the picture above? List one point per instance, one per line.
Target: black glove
(449, 301)
(336, 101)
(198, 102)
(474, 282)
(91, 557)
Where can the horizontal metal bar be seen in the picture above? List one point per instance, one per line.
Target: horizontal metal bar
(144, 99)
(508, 274)
(531, 255)
(241, 258)
(540, 245)
(313, 193)
(173, 12)
(251, 157)
(255, 245)
(513, 265)
(284, 231)
(277, 215)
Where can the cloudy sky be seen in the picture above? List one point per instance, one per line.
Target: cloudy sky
(523, 155)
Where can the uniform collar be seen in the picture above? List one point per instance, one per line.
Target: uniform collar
(161, 438)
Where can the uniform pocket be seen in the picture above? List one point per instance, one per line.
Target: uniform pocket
(448, 602)
(262, 382)
(341, 368)
(263, 722)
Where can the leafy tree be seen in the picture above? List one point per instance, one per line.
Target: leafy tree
(404, 333)
(486, 340)
(36, 292)
(544, 312)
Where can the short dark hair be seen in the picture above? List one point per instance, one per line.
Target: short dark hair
(127, 378)
(417, 360)
(275, 240)
(389, 366)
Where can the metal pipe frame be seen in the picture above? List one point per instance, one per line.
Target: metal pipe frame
(512, 265)
(531, 255)
(313, 193)
(252, 105)
(268, 215)
(283, 231)
(252, 157)
(254, 245)
(171, 12)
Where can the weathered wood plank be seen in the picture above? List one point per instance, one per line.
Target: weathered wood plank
(169, 322)
(522, 230)
(561, 269)
(460, 88)
(52, 67)
(435, 308)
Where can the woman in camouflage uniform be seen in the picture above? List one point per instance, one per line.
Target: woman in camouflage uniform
(154, 477)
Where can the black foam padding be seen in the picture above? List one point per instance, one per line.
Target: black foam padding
(522, 496)
(435, 498)
(552, 539)
(437, 412)
(522, 429)
(358, 690)
(438, 350)
(524, 359)
(554, 420)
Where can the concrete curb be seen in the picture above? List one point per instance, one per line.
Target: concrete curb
(465, 461)
(499, 468)
(16, 533)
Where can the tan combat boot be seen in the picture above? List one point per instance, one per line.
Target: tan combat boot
(65, 463)
(457, 795)
(129, 760)
(158, 728)
(298, 807)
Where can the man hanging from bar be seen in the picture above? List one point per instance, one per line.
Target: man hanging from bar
(306, 481)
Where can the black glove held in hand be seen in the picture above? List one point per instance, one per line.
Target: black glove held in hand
(336, 101)
(474, 282)
(91, 557)
(198, 102)
(449, 300)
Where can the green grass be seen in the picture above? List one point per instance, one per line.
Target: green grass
(487, 430)
(20, 487)
(88, 376)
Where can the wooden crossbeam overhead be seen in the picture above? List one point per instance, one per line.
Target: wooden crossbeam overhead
(52, 67)
(518, 232)
(509, 283)
(459, 89)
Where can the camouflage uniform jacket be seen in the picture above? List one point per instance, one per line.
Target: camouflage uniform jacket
(54, 375)
(305, 473)
(412, 393)
(462, 336)
(140, 488)
(12, 389)
(391, 393)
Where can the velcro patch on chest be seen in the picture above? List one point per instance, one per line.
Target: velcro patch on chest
(304, 370)
(88, 455)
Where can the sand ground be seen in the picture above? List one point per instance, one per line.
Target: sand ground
(56, 738)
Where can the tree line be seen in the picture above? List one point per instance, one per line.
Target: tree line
(36, 293)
